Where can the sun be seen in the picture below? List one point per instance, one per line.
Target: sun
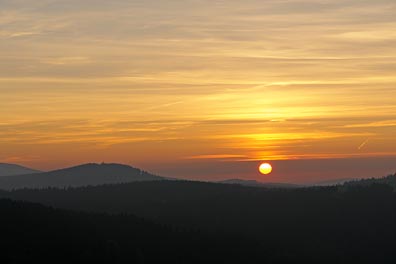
(265, 168)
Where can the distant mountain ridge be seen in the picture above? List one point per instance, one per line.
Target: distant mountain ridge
(336, 182)
(254, 183)
(7, 169)
(82, 175)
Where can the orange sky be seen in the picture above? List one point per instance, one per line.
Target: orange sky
(175, 83)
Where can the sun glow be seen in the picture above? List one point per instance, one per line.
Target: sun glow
(265, 168)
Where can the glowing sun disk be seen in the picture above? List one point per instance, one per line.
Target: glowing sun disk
(265, 168)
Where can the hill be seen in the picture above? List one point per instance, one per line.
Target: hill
(82, 175)
(7, 169)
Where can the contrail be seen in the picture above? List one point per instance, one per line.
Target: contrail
(363, 144)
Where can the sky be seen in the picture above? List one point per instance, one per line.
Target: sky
(201, 89)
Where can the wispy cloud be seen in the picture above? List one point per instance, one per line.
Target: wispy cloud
(216, 156)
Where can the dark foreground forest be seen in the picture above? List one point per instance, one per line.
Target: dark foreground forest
(205, 222)
(35, 233)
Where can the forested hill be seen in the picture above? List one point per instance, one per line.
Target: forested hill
(7, 169)
(82, 175)
(390, 180)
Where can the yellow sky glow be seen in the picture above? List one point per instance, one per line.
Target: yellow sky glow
(168, 81)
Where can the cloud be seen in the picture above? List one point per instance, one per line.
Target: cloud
(216, 156)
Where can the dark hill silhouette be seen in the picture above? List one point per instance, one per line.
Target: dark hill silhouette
(338, 224)
(34, 233)
(82, 175)
(7, 169)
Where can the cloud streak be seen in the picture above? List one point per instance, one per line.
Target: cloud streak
(363, 144)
